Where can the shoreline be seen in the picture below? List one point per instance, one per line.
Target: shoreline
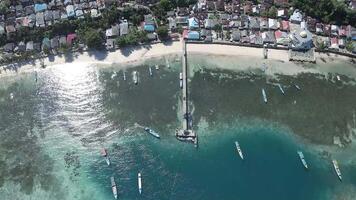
(137, 54)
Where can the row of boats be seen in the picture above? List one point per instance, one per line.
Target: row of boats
(301, 157)
(264, 94)
(105, 154)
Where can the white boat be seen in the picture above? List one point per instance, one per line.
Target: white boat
(239, 150)
(113, 187)
(150, 131)
(135, 77)
(181, 76)
(139, 183)
(264, 95)
(337, 169)
(150, 71)
(157, 67)
(302, 158)
(181, 83)
(297, 86)
(104, 153)
(338, 77)
(124, 75)
(281, 89)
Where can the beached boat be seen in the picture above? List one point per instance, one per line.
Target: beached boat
(281, 89)
(124, 75)
(113, 187)
(150, 71)
(157, 67)
(139, 183)
(297, 86)
(104, 153)
(302, 158)
(238, 148)
(150, 131)
(264, 95)
(135, 77)
(337, 169)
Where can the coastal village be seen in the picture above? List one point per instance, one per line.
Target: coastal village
(267, 23)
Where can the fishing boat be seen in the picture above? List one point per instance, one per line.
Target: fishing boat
(124, 75)
(150, 71)
(181, 76)
(153, 133)
(302, 158)
(104, 153)
(337, 169)
(264, 95)
(281, 89)
(297, 86)
(113, 187)
(139, 183)
(338, 77)
(239, 150)
(135, 77)
(157, 67)
(181, 84)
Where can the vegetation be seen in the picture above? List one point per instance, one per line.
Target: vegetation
(162, 32)
(4, 6)
(134, 37)
(349, 45)
(93, 38)
(329, 11)
(272, 12)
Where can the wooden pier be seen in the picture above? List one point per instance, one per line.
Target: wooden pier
(186, 134)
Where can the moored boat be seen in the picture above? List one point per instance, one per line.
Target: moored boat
(113, 187)
(337, 169)
(150, 71)
(302, 159)
(281, 89)
(264, 95)
(297, 86)
(181, 76)
(135, 77)
(104, 153)
(124, 75)
(139, 183)
(238, 148)
(153, 133)
(157, 67)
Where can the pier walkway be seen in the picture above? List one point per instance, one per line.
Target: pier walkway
(186, 133)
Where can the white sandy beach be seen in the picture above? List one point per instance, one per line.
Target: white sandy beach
(138, 54)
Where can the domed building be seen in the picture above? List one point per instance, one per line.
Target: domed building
(301, 39)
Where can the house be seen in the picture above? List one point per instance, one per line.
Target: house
(55, 42)
(94, 13)
(62, 41)
(282, 13)
(254, 23)
(193, 35)
(236, 35)
(268, 37)
(64, 15)
(334, 43)
(327, 29)
(284, 25)
(220, 5)
(40, 22)
(152, 36)
(263, 24)
(149, 27)
(70, 38)
(149, 20)
(108, 33)
(40, 7)
(182, 20)
(255, 9)
(110, 44)
(2, 28)
(301, 39)
(296, 17)
(342, 31)
(9, 47)
(48, 16)
(115, 30)
(281, 38)
(334, 30)
(79, 14)
(56, 14)
(124, 28)
(273, 24)
(10, 29)
(172, 24)
(319, 28)
(100, 4)
(247, 8)
(341, 43)
(70, 11)
(193, 23)
(37, 46)
(311, 23)
(29, 46)
(210, 23)
(67, 2)
(349, 31)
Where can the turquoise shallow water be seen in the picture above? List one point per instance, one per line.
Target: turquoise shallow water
(51, 133)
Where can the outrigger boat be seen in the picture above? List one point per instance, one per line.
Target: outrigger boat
(124, 75)
(153, 133)
(337, 169)
(113, 187)
(181, 80)
(157, 67)
(104, 153)
(139, 183)
(135, 77)
(281, 89)
(238, 148)
(302, 158)
(338, 77)
(150, 71)
(264, 95)
(297, 86)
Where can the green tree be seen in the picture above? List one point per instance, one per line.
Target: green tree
(92, 38)
(4, 6)
(272, 12)
(162, 32)
(166, 5)
(349, 45)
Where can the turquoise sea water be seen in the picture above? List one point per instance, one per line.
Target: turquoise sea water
(51, 133)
